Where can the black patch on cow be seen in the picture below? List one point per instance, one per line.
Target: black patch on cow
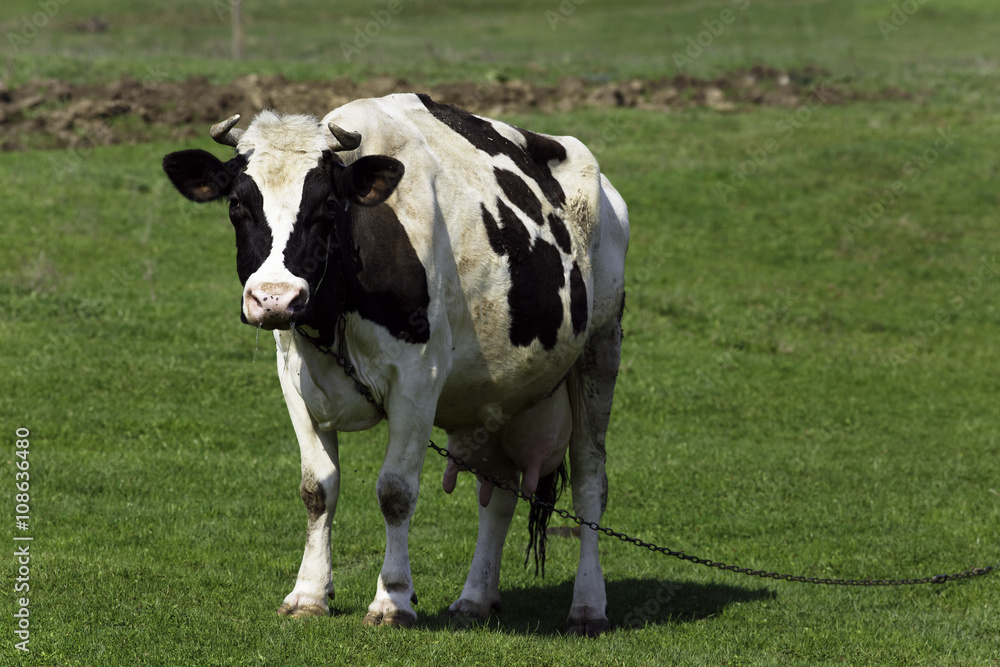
(313, 496)
(604, 486)
(542, 149)
(395, 498)
(385, 281)
(355, 259)
(308, 251)
(536, 276)
(312, 254)
(577, 300)
(560, 232)
(253, 234)
(519, 194)
(533, 160)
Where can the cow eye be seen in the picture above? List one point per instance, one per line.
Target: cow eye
(234, 203)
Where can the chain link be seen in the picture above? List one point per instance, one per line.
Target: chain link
(341, 358)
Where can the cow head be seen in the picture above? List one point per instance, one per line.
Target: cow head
(287, 194)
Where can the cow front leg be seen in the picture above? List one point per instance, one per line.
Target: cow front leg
(397, 488)
(319, 490)
(481, 593)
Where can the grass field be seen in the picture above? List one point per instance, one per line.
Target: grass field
(808, 382)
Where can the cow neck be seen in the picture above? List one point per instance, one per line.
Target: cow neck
(332, 335)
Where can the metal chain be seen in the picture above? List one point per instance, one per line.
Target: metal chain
(341, 358)
(935, 579)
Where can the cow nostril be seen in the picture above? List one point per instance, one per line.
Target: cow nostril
(299, 301)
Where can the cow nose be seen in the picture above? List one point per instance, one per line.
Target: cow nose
(274, 305)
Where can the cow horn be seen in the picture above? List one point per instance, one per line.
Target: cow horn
(225, 134)
(345, 141)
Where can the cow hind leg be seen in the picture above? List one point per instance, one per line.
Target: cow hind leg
(481, 593)
(591, 386)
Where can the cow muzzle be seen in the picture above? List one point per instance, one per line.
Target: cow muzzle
(274, 305)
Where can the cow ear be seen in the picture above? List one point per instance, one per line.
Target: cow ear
(200, 176)
(370, 180)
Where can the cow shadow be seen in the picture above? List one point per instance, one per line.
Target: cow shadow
(632, 603)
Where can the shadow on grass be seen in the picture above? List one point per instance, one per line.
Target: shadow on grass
(632, 603)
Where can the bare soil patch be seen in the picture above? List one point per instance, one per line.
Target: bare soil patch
(59, 114)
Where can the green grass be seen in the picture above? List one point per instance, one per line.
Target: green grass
(471, 39)
(798, 392)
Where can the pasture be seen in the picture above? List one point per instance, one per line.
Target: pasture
(809, 377)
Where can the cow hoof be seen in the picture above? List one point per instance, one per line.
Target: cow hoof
(587, 624)
(392, 619)
(300, 605)
(303, 611)
(467, 612)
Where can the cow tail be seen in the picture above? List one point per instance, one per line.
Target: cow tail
(548, 491)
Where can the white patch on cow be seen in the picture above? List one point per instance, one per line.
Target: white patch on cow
(330, 396)
(282, 149)
(506, 131)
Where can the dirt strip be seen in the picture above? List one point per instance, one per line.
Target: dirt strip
(60, 114)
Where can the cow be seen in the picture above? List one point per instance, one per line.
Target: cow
(428, 266)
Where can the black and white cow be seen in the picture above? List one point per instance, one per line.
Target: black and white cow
(472, 273)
